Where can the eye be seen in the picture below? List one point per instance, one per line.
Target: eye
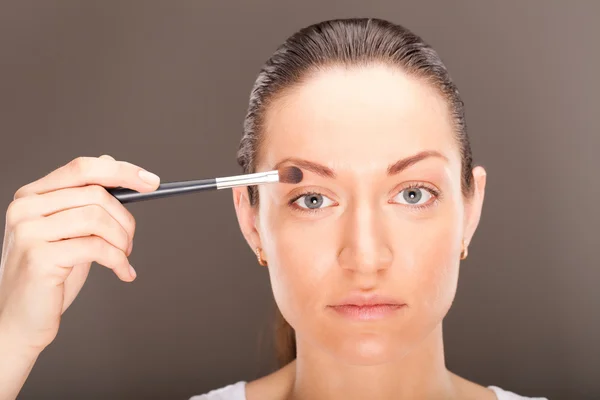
(413, 196)
(313, 201)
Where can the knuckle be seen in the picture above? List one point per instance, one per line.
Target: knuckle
(103, 250)
(131, 222)
(116, 257)
(123, 240)
(122, 259)
(79, 165)
(93, 213)
(97, 248)
(98, 194)
(21, 232)
(96, 245)
(12, 213)
(21, 192)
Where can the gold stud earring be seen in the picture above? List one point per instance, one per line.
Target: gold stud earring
(261, 261)
(464, 252)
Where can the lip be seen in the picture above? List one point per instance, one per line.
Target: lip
(365, 307)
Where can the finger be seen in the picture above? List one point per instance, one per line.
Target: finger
(90, 170)
(66, 253)
(107, 157)
(34, 207)
(75, 222)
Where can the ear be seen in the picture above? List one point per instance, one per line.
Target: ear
(246, 215)
(475, 204)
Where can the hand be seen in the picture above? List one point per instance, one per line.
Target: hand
(55, 228)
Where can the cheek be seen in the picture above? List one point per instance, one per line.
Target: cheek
(303, 267)
(300, 255)
(435, 273)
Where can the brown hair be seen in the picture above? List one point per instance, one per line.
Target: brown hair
(345, 42)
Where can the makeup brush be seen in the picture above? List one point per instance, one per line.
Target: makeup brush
(284, 175)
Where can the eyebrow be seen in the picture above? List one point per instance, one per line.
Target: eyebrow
(403, 164)
(393, 169)
(317, 168)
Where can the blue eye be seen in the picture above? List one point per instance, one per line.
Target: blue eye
(313, 201)
(413, 196)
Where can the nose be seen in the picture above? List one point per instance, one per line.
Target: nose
(365, 245)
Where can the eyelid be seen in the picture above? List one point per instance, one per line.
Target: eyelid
(436, 195)
(415, 184)
(397, 196)
(297, 193)
(295, 201)
(302, 191)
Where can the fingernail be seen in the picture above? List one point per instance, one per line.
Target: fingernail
(132, 271)
(149, 177)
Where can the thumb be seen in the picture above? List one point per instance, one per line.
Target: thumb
(74, 283)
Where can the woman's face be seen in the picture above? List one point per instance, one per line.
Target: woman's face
(363, 254)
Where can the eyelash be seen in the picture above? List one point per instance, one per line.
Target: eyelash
(437, 195)
(305, 210)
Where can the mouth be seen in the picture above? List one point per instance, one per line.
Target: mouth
(367, 307)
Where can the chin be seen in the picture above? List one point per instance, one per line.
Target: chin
(367, 350)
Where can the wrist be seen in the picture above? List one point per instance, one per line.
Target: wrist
(13, 344)
(16, 362)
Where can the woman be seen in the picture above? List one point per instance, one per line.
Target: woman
(363, 254)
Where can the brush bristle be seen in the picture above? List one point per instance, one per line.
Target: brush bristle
(290, 175)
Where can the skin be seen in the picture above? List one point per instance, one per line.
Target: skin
(365, 237)
(55, 228)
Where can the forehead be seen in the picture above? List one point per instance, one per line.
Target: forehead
(358, 115)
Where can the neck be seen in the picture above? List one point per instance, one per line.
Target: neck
(421, 374)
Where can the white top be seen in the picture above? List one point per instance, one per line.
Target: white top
(237, 391)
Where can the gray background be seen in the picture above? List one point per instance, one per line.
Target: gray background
(165, 85)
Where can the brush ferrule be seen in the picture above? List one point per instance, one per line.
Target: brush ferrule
(258, 178)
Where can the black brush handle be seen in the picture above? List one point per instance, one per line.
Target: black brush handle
(164, 190)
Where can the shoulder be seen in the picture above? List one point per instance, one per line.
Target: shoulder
(506, 395)
(235, 391)
(273, 386)
(474, 391)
